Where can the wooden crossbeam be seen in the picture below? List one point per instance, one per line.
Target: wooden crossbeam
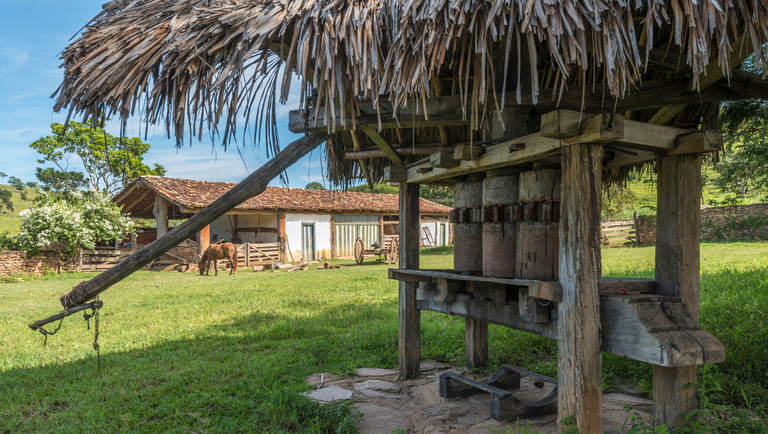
(385, 146)
(136, 201)
(447, 110)
(635, 142)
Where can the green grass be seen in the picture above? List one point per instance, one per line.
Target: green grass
(10, 221)
(182, 353)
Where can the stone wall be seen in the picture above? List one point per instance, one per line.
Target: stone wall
(718, 223)
(17, 262)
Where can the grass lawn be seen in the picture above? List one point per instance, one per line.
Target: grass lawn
(184, 353)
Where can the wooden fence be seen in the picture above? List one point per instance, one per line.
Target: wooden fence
(619, 232)
(249, 254)
(101, 258)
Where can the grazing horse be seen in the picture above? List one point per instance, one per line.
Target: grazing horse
(215, 252)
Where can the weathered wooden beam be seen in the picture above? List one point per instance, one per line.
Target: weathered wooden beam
(394, 174)
(385, 146)
(579, 370)
(447, 110)
(467, 152)
(409, 316)
(92, 305)
(677, 274)
(142, 196)
(361, 160)
(416, 150)
(442, 159)
(698, 142)
(251, 186)
(645, 327)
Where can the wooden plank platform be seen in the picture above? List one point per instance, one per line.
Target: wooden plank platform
(639, 324)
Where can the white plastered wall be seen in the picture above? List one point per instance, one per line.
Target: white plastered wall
(293, 223)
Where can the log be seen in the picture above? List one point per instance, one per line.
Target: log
(251, 186)
(500, 187)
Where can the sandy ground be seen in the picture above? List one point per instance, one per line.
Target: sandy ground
(388, 405)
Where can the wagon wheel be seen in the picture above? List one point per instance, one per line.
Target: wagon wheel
(359, 255)
(394, 249)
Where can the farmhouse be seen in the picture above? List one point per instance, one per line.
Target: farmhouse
(309, 224)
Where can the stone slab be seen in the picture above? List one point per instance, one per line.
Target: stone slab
(329, 394)
(375, 372)
(381, 420)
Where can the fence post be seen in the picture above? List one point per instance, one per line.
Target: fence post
(637, 231)
(247, 252)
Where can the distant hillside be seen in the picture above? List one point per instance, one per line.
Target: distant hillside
(11, 222)
(646, 194)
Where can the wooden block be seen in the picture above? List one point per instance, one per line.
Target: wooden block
(424, 169)
(606, 127)
(467, 152)
(394, 174)
(446, 290)
(443, 159)
(546, 291)
(698, 142)
(562, 124)
(530, 309)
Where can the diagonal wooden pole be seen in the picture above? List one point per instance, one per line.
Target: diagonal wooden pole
(251, 186)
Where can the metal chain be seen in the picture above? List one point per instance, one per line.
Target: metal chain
(46, 333)
(87, 317)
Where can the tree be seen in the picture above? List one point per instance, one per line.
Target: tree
(75, 219)
(378, 188)
(744, 164)
(441, 195)
(617, 199)
(23, 195)
(16, 183)
(5, 200)
(3, 175)
(314, 186)
(109, 161)
(32, 184)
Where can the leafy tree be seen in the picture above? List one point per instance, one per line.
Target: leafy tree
(60, 180)
(314, 186)
(379, 188)
(24, 195)
(109, 161)
(16, 183)
(3, 175)
(5, 200)
(441, 195)
(744, 164)
(32, 184)
(617, 199)
(72, 218)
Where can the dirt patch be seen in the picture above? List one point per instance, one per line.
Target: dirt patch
(418, 408)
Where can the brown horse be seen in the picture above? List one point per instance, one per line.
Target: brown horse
(215, 252)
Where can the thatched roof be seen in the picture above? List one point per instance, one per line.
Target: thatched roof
(202, 65)
(188, 196)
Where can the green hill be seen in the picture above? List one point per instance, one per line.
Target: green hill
(710, 195)
(10, 221)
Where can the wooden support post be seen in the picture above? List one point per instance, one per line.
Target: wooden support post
(579, 369)
(381, 230)
(475, 343)
(247, 253)
(281, 237)
(203, 240)
(333, 237)
(161, 215)
(677, 274)
(408, 315)
(134, 242)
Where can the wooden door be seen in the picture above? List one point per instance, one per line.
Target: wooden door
(308, 241)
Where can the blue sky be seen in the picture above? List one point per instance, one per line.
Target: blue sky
(32, 34)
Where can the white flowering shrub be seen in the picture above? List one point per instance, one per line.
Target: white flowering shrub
(75, 219)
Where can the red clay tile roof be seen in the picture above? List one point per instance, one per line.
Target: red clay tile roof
(187, 193)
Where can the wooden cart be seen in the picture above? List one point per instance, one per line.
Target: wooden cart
(388, 250)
